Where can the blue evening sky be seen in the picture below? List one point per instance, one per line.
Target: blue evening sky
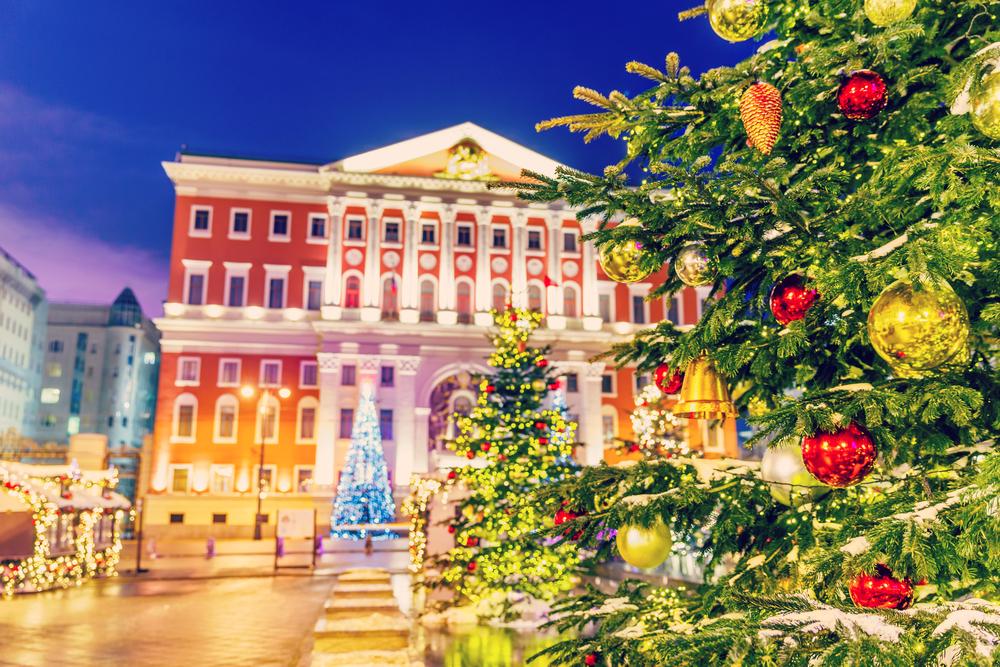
(94, 95)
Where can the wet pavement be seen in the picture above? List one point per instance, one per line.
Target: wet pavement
(245, 622)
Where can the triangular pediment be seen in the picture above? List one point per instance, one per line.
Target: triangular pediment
(465, 151)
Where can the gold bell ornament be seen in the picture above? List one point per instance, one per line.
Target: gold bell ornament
(621, 259)
(918, 330)
(705, 394)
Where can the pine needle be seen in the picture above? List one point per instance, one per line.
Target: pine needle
(592, 96)
(693, 12)
(646, 71)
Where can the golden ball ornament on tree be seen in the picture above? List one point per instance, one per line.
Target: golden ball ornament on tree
(760, 110)
(737, 20)
(918, 329)
(622, 260)
(984, 105)
(694, 266)
(645, 548)
(887, 12)
(539, 385)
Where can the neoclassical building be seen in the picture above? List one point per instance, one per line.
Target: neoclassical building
(380, 268)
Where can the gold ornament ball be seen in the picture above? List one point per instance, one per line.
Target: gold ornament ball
(737, 20)
(918, 330)
(539, 385)
(694, 267)
(984, 106)
(621, 260)
(645, 548)
(886, 12)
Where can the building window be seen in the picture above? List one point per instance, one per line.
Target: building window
(304, 480)
(53, 370)
(569, 302)
(265, 478)
(111, 421)
(276, 293)
(314, 298)
(176, 518)
(638, 310)
(279, 225)
(352, 292)
(317, 228)
(607, 384)
(392, 232)
(124, 421)
(499, 237)
(534, 240)
(604, 304)
(535, 298)
(185, 421)
(269, 419)
(572, 385)
(427, 234)
(385, 424)
(640, 382)
(347, 375)
(48, 420)
(308, 378)
(229, 372)
(355, 229)
(307, 423)
(389, 297)
(608, 429)
(50, 395)
(464, 235)
(179, 483)
(426, 300)
(241, 222)
(569, 242)
(196, 284)
(499, 297)
(55, 346)
(346, 422)
(463, 302)
(222, 482)
(189, 371)
(271, 373)
(673, 311)
(218, 518)
(227, 421)
(201, 220)
(388, 376)
(236, 291)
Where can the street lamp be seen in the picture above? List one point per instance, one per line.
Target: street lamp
(247, 391)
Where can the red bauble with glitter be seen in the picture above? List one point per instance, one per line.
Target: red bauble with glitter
(791, 298)
(502, 457)
(562, 516)
(554, 386)
(470, 455)
(540, 425)
(543, 441)
(840, 459)
(490, 389)
(668, 380)
(472, 567)
(863, 95)
(542, 363)
(485, 446)
(881, 590)
(472, 542)
(591, 660)
(451, 529)
(452, 474)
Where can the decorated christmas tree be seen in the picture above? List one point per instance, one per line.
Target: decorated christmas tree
(657, 430)
(363, 493)
(500, 561)
(838, 191)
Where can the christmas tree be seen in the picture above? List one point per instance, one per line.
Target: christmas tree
(658, 431)
(839, 192)
(363, 494)
(500, 559)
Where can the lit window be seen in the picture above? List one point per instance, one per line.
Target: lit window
(179, 483)
(352, 292)
(608, 428)
(222, 480)
(53, 370)
(73, 425)
(50, 395)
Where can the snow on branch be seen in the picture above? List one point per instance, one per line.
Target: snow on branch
(827, 619)
(883, 251)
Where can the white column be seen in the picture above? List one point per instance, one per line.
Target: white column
(519, 268)
(334, 259)
(484, 292)
(406, 426)
(591, 307)
(422, 416)
(409, 289)
(374, 209)
(592, 428)
(446, 274)
(554, 296)
(327, 422)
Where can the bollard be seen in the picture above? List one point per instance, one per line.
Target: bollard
(210, 548)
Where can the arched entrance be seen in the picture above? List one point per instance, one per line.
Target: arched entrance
(456, 393)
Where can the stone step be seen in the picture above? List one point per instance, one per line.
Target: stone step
(359, 658)
(364, 575)
(337, 608)
(362, 591)
(349, 634)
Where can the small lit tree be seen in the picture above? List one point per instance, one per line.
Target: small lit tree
(658, 432)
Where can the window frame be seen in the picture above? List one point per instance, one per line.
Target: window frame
(313, 274)
(392, 376)
(273, 468)
(348, 241)
(182, 400)
(340, 424)
(295, 477)
(239, 372)
(500, 227)
(213, 471)
(428, 245)
(195, 267)
(614, 385)
(305, 403)
(318, 240)
(276, 272)
(200, 233)
(260, 416)
(392, 420)
(170, 476)
(400, 232)
(180, 381)
(279, 238)
(354, 375)
(262, 382)
(302, 374)
(222, 402)
(572, 383)
(235, 235)
(534, 229)
(576, 242)
(472, 236)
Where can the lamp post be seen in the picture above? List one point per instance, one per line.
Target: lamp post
(266, 400)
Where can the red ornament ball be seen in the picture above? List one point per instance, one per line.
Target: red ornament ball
(863, 95)
(490, 389)
(668, 380)
(451, 529)
(472, 542)
(562, 517)
(470, 454)
(540, 425)
(591, 660)
(472, 567)
(554, 386)
(452, 474)
(791, 298)
(502, 457)
(840, 459)
(542, 363)
(543, 441)
(486, 446)
(881, 590)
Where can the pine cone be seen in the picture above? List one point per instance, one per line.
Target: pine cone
(760, 109)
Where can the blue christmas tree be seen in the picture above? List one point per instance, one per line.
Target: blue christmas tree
(363, 494)
(558, 438)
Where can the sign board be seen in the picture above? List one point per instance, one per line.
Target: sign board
(296, 524)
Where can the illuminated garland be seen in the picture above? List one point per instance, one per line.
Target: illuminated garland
(657, 431)
(415, 507)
